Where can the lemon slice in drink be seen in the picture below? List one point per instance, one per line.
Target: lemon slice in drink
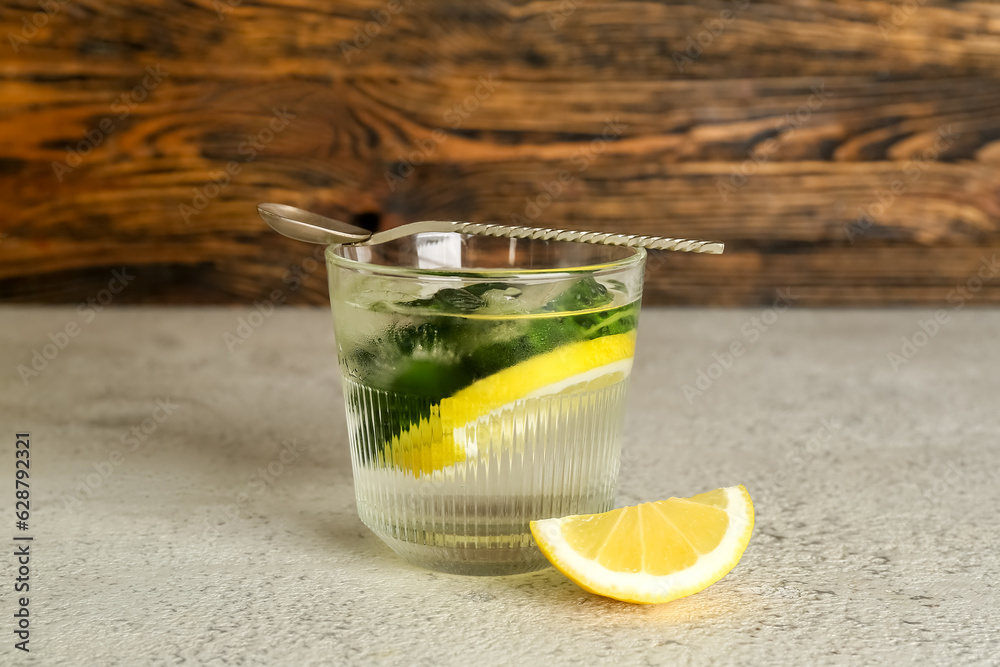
(573, 368)
(653, 552)
(444, 438)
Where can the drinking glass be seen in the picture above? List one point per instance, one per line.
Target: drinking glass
(485, 384)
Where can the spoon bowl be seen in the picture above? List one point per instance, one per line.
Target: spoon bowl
(310, 227)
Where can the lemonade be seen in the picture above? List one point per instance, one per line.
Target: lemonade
(477, 405)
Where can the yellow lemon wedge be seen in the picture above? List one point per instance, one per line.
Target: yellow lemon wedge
(653, 552)
(445, 437)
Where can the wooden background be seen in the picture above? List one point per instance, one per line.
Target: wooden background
(892, 80)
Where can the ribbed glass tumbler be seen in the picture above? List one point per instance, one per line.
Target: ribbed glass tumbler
(485, 383)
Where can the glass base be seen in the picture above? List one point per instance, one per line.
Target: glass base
(473, 561)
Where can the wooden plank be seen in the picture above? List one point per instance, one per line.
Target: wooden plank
(851, 277)
(608, 41)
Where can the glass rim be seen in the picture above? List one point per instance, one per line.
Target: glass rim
(634, 257)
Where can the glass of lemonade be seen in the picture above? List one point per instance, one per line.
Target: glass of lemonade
(485, 382)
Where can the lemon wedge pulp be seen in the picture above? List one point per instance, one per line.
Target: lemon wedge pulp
(653, 552)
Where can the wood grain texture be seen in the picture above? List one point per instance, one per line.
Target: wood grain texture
(876, 136)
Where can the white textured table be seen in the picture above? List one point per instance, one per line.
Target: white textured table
(192, 503)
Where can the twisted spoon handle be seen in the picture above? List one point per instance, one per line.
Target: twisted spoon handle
(651, 242)
(311, 227)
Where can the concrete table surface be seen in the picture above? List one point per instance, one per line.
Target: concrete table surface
(192, 497)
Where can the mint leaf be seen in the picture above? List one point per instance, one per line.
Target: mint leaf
(449, 300)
